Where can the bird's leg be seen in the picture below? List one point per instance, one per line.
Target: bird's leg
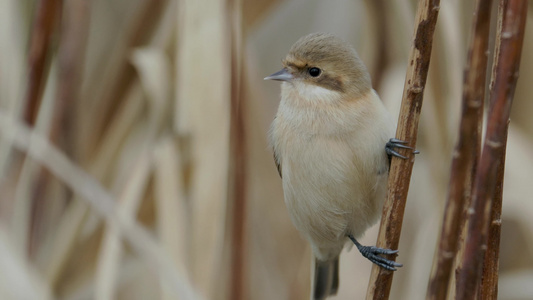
(372, 254)
(396, 143)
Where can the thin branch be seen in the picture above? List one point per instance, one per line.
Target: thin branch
(508, 62)
(466, 154)
(400, 172)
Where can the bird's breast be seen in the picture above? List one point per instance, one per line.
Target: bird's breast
(332, 162)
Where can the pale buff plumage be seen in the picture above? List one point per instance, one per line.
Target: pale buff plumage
(333, 161)
(329, 139)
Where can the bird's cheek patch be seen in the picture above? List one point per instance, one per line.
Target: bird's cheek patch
(331, 83)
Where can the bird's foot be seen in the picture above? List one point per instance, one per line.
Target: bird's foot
(396, 143)
(372, 253)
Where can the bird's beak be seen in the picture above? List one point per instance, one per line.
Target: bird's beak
(282, 75)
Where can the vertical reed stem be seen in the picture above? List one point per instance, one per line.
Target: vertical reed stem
(47, 14)
(506, 75)
(400, 172)
(466, 154)
(238, 155)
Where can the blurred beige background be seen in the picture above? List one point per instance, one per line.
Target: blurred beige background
(148, 200)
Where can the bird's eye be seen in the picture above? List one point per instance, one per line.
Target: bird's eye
(314, 72)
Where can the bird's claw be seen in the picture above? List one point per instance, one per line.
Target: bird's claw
(396, 143)
(372, 254)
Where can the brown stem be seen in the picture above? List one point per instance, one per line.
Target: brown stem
(255, 11)
(489, 279)
(238, 155)
(466, 152)
(376, 9)
(71, 52)
(400, 172)
(47, 14)
(508, 62)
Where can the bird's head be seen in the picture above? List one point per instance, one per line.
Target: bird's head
(322, 63)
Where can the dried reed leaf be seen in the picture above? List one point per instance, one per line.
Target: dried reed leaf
(152, 69)
(13, 31)
(202, 112)
(81, 265)
(130, 267)
(21, 218)
(61, 242)
(109, 84)
(124, 142)
(110, 252)
(171, 209)
(91, 191)
(125, 118)
(18, 279)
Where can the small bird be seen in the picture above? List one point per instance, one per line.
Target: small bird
(332, 149)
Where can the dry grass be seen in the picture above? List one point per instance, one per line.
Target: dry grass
(127, 181)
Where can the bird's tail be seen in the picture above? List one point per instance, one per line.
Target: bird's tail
(325, 278)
